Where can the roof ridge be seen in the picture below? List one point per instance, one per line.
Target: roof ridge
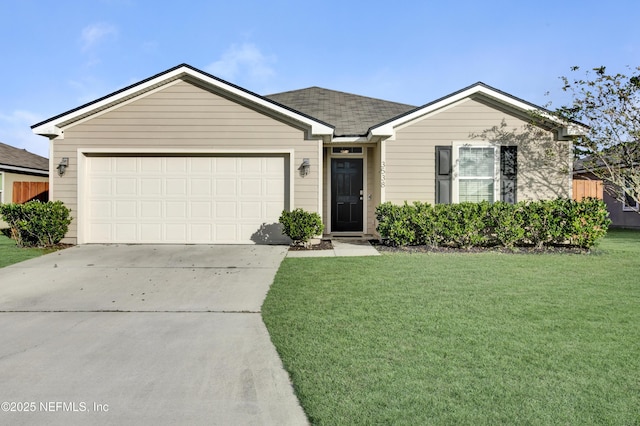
(342, 92)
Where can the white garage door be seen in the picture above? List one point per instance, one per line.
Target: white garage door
(182, 199)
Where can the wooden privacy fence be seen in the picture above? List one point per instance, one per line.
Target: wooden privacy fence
(583, 188)
(27, 191)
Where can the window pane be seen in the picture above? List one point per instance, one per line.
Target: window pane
(478, 162)
(476, 190)
(629, 202)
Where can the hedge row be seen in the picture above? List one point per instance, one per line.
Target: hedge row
(36, 224)
(561, 222)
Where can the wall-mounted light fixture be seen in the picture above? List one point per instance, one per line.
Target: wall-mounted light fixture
(304, 167)
(62, 167)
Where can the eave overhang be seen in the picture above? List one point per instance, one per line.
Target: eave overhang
(565, 130)
(313, 128)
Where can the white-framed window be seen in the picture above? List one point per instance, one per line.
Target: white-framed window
(476, 173)
(1, 187)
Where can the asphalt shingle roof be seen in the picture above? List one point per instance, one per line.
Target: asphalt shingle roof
(12, 156)
(351, 115)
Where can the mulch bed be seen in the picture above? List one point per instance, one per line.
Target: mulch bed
(381, 247)
(516, 250)
(323, 245)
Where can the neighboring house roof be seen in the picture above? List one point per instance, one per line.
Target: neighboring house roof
(351, 115)
(12, 158)
(621, 155)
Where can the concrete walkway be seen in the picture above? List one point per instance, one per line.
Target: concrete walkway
(162, 335)
(342, 247)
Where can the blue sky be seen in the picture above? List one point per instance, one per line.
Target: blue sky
(60, 54)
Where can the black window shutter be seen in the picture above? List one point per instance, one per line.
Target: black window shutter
(443, 174)
(508, 174)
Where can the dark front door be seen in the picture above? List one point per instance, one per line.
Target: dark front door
(346, 194)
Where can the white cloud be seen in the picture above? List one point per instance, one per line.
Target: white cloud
(16, 131)
(95, 33)
(242, 62)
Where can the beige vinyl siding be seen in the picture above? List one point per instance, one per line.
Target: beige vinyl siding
(184, 116)
(410, 158)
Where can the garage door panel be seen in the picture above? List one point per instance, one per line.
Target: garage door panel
(226, 210)
(250, 187)
(126, 186)
(126, 209)
(251, 210)
(225, 233)
(201, 165)
(273, 209)
(200, 209)
(151, 231)
(176, 165)
(274, 188)
(176, 210)
(225, 165)
(126, 165)
(101, 186)
(126, 232)
(225, 187)
(101, 164)
(150, 187)
(101, 209)
(251, 165)
(273, 165)
(247, 231)
(182, 199)
(150, 209)
(176, 186)
(151, 165)
(176, 232)
(200, 187)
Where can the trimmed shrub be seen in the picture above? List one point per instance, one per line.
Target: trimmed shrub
(464, 225)
(534, 223)
(401, 223)
(589, 222)
(300, 225)
(426, 225)
(505, 224)
(37, 224)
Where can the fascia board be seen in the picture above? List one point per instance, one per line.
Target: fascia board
(6, 167)
(54, 127)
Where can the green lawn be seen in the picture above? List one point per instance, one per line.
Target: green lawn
(10, 253)
(463, 338)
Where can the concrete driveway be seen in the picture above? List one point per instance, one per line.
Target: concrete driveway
(142, 335)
